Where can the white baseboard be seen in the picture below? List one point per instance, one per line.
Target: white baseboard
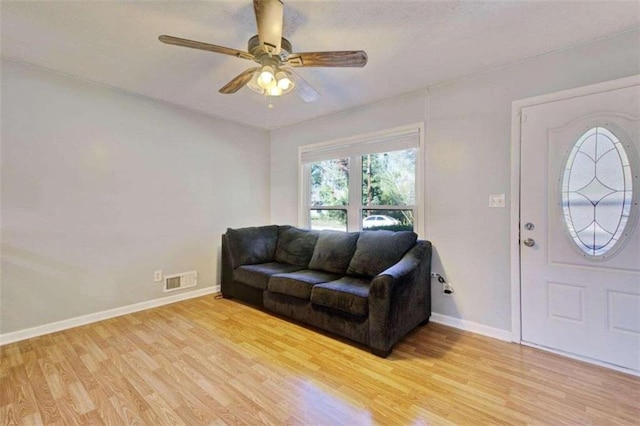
(474, 327)
(28, 333)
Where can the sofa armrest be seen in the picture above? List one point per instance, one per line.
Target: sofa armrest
(249, 246)
(226, 275)
(408, 263)
(400, 297)
(384, 282)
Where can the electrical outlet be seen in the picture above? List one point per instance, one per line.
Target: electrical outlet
(157, 276)
(497, 201)
(447, 290)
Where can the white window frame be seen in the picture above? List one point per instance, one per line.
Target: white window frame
(354, 147)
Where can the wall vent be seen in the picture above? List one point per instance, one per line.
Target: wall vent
(180, 281)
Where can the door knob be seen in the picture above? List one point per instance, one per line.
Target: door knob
(529, 242)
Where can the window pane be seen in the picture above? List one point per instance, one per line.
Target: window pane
(393, 220)
(328, 219)
(389, 178)
(596, 191)
(330, 182)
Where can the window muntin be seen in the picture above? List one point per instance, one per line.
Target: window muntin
(597, 192)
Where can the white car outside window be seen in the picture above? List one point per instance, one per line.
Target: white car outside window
(379, 220)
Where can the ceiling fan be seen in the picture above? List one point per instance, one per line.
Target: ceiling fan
(274, 76)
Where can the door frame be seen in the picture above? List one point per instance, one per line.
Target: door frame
(516, 110)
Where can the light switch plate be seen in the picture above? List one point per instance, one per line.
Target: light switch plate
(497, 201)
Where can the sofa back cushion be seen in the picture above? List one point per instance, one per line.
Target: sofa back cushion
(378, 250)
(295, 246)
(333, 251)
(249, 246)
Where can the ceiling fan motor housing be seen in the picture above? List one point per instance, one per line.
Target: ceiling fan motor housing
(258, 52)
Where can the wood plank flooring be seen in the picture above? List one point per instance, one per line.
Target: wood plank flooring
(216, 361)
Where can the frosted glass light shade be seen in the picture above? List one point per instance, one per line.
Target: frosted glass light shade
(283, 80)
(266, 78)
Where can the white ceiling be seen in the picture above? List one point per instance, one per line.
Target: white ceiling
(410, 44)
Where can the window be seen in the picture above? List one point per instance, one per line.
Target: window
(329, 191)
(597, 192)
(389, 189)
(369, 182)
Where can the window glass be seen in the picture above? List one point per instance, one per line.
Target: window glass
(330, 182)
(597, 191)
(328, 219)
(389, 178)
(393, 220)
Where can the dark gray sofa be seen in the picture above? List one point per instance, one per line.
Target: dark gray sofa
(372, 287)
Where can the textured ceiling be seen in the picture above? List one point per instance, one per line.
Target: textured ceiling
(410, 44)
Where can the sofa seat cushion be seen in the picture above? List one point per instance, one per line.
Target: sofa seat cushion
(333, 251)
(348, 294)
(299, 284)
(379, 250)
(258, 275)
(295, 246)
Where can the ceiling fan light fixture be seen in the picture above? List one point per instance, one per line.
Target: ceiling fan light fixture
(284, 82)
(280, 84)
(271, 51)
(266, 78)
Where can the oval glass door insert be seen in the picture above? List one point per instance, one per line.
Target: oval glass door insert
(597, 192)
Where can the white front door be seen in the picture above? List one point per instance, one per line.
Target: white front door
(580, 246)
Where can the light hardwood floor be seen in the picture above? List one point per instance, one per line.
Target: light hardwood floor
(216, 361)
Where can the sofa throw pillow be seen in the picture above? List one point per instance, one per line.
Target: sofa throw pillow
(378, 250)
(333, 251)
(249, 246)
(295, 246)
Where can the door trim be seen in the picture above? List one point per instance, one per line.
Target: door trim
(516, 109)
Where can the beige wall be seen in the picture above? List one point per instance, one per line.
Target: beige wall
(100, 188)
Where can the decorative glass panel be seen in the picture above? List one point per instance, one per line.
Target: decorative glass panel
(597, 191)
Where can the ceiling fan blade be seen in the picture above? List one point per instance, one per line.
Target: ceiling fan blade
(350, 58)
(239, 82)
(302, 88)
(269, 17)
(205, 46)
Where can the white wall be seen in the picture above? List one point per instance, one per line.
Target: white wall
(100, 188)
(467, 158)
